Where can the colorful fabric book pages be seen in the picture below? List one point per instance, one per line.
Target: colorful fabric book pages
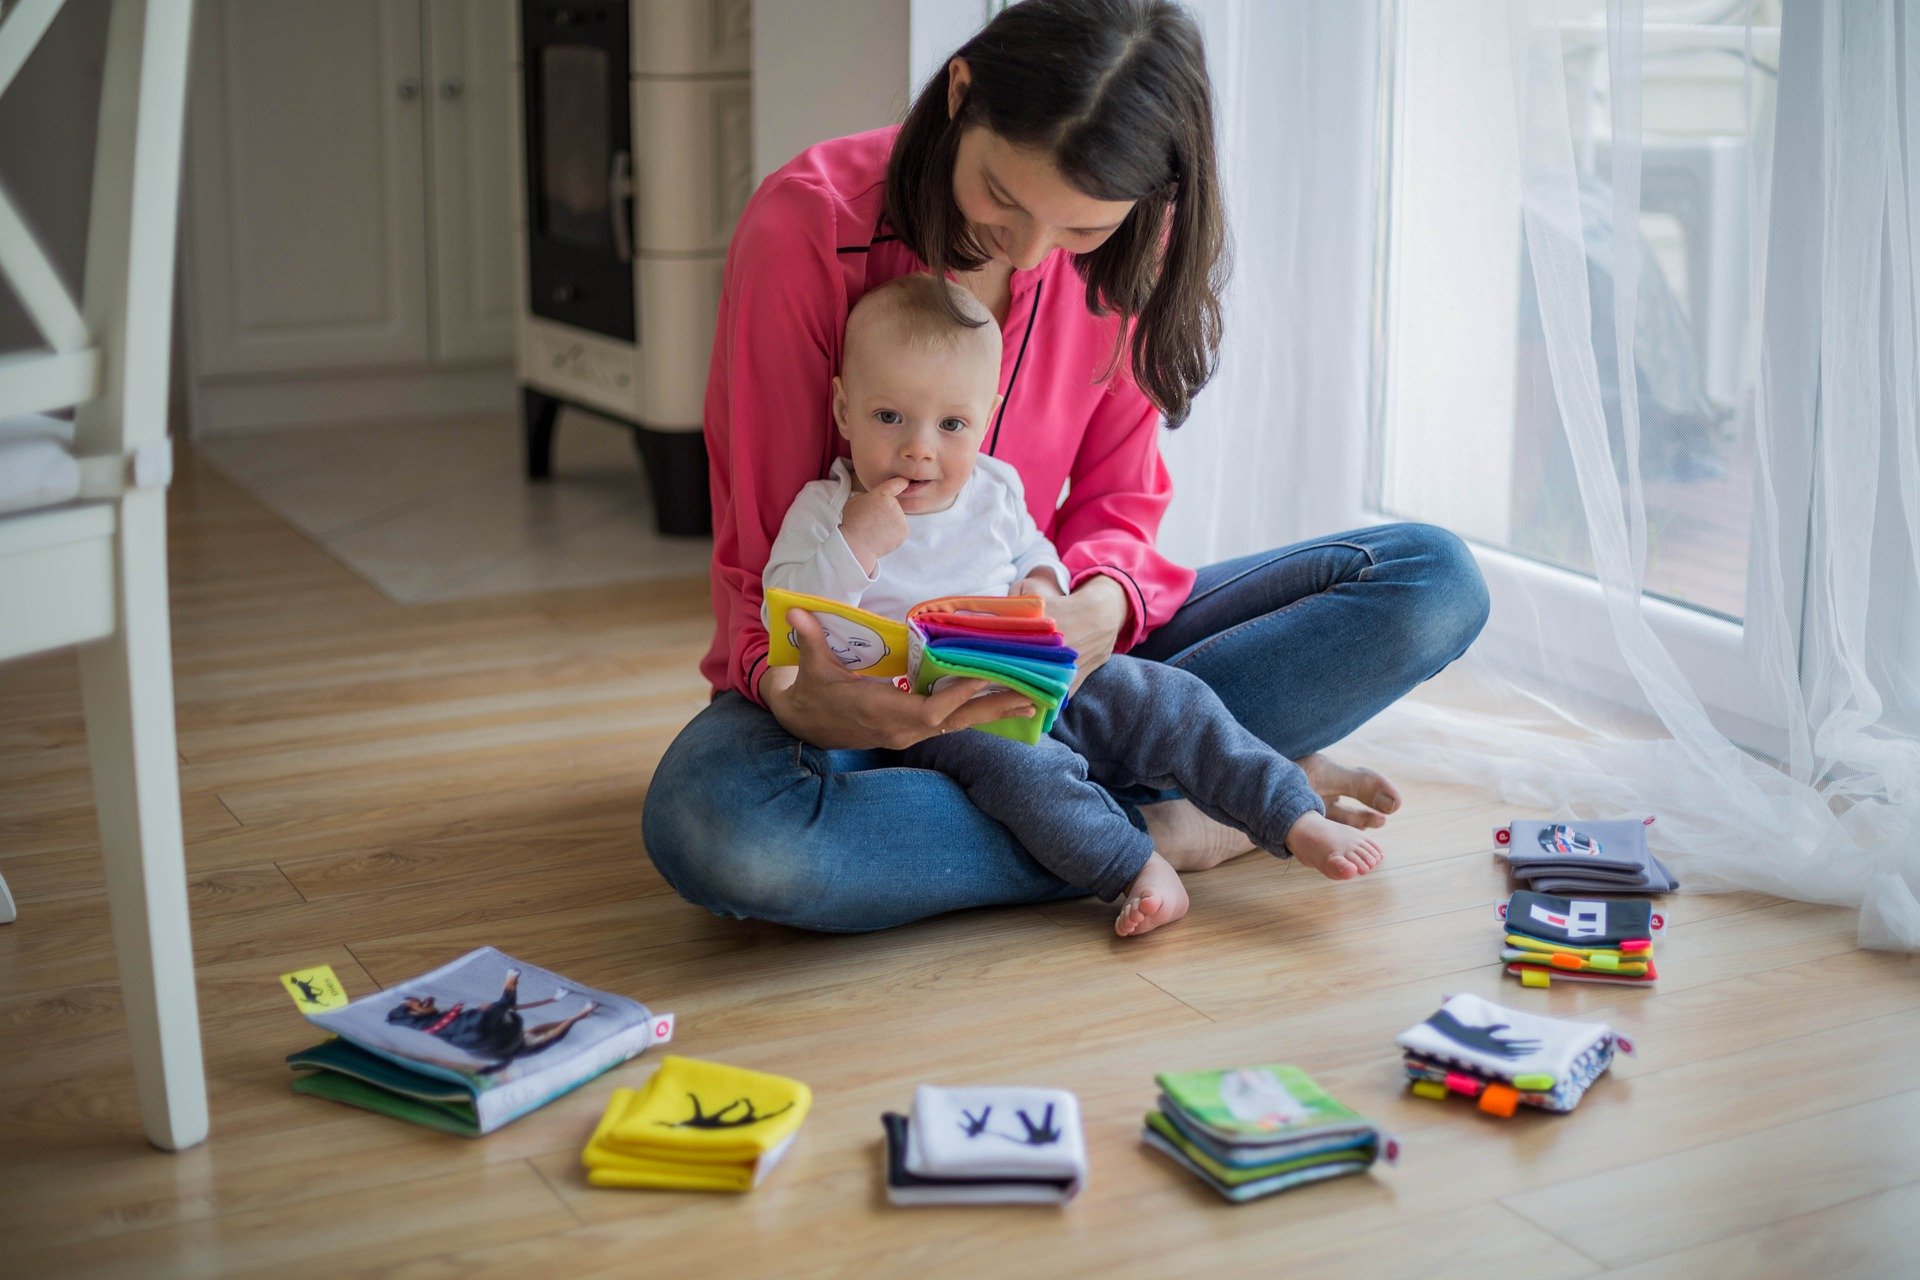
(1580, 939)
(1251, 1131)
(1007, 641)
(473, 1044)
(1582, 856)
(696, 1126)
(1502, 1057)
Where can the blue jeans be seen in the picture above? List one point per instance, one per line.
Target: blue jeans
(1132, 723)
(1303, 645)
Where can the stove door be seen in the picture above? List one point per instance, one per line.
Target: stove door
(579, 140)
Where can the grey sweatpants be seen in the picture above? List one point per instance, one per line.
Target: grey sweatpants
(1133, 723)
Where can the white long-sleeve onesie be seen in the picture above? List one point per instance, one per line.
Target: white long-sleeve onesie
(981, 545)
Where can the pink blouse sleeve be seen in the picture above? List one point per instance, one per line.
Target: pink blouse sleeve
(1108, 523)
(769, 396)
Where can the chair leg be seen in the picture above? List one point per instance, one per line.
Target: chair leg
(126, 685)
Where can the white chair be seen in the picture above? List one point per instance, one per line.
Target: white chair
(85, 562)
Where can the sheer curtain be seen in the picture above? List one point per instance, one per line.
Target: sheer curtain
(1835, 524)
(1576, 702)
(1274, 448)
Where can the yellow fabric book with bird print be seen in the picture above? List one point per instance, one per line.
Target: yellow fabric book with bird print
(696, 1126)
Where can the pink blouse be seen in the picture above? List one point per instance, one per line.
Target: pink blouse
(810, 242)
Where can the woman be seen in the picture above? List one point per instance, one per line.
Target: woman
(1061, 167)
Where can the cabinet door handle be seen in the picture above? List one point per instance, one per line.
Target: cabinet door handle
(619, 204)
(451, 87)
(408, 89)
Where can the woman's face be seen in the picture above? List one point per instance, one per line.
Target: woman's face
(1019, 207)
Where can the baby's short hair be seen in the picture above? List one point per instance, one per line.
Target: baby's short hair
(920, 311)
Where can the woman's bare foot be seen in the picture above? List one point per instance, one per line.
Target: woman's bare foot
(1358, 797)
(1336, 851)
(1189, 839)
(1155, 897)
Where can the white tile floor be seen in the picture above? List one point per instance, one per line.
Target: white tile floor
(442, 511)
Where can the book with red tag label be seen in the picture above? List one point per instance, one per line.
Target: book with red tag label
(1580, 939)
(1582, 856)
(473, 1044)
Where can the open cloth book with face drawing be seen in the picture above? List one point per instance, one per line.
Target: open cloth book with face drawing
(473, 1044)
(1006, 640)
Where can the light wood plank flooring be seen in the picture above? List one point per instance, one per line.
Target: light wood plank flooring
(380, 787)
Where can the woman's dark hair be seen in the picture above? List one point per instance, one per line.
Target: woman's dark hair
(1116, 93)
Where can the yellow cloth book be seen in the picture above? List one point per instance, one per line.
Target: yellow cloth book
(698, 1126)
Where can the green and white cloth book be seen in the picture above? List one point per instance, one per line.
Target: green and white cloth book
(1249, 1131)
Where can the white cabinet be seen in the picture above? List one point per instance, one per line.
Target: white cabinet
(350, 227)
(471, 142)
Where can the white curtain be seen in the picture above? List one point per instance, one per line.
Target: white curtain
(1826, 419)
(1294, 94)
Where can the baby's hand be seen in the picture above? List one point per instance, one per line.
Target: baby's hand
(873, 523)
(1035, 584)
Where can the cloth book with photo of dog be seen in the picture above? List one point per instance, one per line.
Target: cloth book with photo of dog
(1008, 641)
(474, 1044)
(1248, 1132)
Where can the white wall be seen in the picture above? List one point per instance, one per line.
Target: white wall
(823, 70)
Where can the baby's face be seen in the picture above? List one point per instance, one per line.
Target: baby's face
(919, 414)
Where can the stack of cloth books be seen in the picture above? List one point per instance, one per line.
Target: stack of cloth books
(468, 1047)
(986, 1145)
(1502, 1058)
(1580, 940)
(1583, 857)
(696, 1126)
(1248, 1132)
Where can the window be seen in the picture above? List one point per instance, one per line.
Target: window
(1466, 430)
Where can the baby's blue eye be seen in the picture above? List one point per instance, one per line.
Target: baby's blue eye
(953, 424)
(888, 416)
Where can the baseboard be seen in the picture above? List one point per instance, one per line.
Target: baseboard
(222, 405)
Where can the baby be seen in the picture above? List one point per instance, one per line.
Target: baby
(918, 513)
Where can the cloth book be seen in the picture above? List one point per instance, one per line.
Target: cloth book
(990, 1145)
(1580, 939)
(906, 1188)
(1008, 641)
(696, 1126)
(474, 1044)
(1503, 1057)
(1581, 856)
(1251, 1131)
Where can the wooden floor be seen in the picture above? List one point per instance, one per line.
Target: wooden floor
(380, 787)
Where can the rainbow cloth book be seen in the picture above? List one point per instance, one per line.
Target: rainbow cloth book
(1007, 640)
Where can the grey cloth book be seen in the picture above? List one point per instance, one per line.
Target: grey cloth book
(1584, 856)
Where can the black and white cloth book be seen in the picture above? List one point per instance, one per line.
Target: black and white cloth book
(909, 1189)
(1504, 1044)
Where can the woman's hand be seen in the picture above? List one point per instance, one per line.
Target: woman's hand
(821, 702)
(1090, 618)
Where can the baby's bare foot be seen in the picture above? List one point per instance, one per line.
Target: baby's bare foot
(1357, 797)
(1155, 897)
(1336, 851)
(1190, 839)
